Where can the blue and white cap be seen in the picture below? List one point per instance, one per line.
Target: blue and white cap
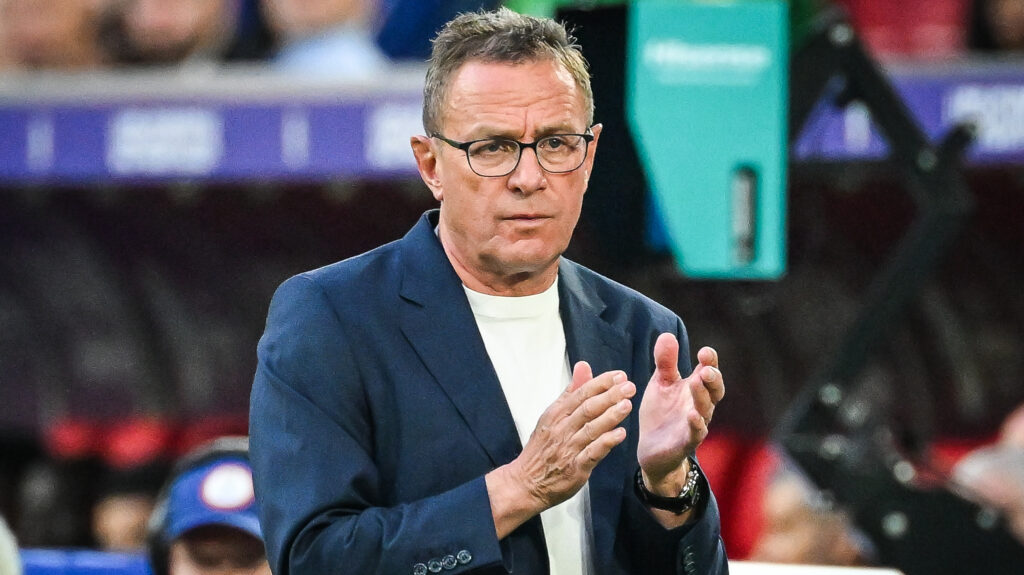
(217, 493)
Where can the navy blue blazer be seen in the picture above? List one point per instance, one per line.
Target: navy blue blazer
(376, 412)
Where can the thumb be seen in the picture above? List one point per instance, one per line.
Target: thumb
(666, 357)
(581, 373)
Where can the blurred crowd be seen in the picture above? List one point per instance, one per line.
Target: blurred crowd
(344, 38)
(354, 38)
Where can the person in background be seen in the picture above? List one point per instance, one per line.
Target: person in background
(6, 61)
(123, 506)
(206, 520)
(326, 38)
(10, 561)
(997, 26)
(466, 399)
(801, 528)
(994, 476)
(51, 34)
(171, 32)
(406, 26)
(1011, 432)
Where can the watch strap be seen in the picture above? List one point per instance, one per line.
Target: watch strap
(687, 499)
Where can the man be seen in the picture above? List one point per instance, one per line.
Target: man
(206, 520)
(994, 476)
(328, 38)
(802, 528)
(460, 400)
(50, 34)
(186, 32)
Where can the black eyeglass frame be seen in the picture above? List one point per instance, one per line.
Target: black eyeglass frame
(588, 137)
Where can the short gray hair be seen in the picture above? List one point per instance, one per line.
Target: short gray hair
(500, 36)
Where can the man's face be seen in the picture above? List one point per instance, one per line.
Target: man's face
(1006, 18)
(169, 31)
(507, 232)
(216, 550)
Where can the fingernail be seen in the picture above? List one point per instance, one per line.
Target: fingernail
(627, 388)
(619, 377)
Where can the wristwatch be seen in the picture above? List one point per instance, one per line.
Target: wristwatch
(686, 500)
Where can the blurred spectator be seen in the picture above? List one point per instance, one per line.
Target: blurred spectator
(997, 26)
(924, 29)
(51, 34)
(994, 476)
(133, 455)
(119, 520)
(185, 31)
(206, 519)
(1012, 431)
(10, 562)
(325, 37)
(6, 61)
(53, 503)
(407, 26)
(801, 528)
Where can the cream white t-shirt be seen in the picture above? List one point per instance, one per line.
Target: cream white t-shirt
(526, 343)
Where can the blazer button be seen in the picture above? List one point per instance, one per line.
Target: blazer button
(449, 562)
(419, 569)
(463, 557)
(434, 566)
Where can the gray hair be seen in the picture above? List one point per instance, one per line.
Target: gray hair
(10, 561)
(501, 36)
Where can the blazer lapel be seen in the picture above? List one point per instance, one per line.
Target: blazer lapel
(438, 323)
(434, 303)
(589, 337)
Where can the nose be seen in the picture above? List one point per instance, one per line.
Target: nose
(528, 177)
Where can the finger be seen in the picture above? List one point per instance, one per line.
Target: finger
(581, 373)
(713, 382)
(701, 398)
(666, 357)
(603, 423)
(596, 406)
(577, 393)
(698, 429)
(598, 449)
(707, 356)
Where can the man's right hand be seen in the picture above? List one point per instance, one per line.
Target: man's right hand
(572, 436)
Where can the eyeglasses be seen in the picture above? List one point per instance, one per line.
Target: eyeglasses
(496, 157)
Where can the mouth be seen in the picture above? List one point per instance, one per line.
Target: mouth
(527, 217)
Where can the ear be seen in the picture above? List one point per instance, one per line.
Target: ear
(426, 163)
(588, 164)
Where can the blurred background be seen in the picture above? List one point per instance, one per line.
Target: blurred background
(165, 164)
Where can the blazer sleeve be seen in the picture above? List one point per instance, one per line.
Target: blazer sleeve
(311, 446)
(691, 549)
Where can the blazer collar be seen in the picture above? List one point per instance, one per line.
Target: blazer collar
(439, 324)
(592, 338)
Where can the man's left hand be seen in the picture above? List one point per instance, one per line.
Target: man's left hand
(675, 413)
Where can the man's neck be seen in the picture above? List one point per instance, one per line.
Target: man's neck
(507, 285)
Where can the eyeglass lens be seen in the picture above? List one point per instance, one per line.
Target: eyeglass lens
(499, 156)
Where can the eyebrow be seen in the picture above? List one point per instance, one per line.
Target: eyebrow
(491, 132)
